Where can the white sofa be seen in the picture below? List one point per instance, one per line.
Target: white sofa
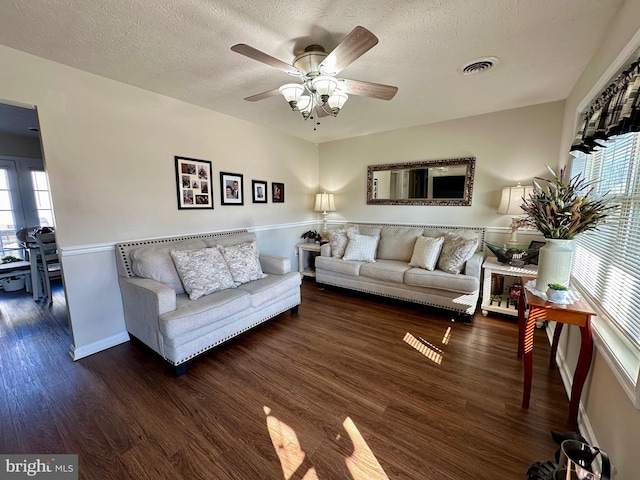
(160, 314)
(391, 275)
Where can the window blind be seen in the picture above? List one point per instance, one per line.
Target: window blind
(607, 261)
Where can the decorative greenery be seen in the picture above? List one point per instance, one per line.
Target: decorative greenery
(563, 208)
(10, 259)
(557, 286)
(312, 234)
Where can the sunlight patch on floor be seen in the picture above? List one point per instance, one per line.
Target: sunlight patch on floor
(429, 350)
(362, 463)
(446, 337)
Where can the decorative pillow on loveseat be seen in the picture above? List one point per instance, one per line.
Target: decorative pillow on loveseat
(202, 271)
(361, 248)
(426, 252)
(243, 261)
(455, 252)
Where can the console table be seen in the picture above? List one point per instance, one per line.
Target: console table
(578, 313)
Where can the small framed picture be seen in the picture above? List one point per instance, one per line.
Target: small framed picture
(259, 191)
(231, 189)
(277, 192)
(193, 182)
(537, 245)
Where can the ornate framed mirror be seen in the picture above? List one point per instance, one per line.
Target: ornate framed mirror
(430, 182)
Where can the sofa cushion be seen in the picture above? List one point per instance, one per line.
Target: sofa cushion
(271, 287)
(202, 271)
(396, 243)
(338, 265)
(460, 232)
(155, 263)
(426, 252)
(419, 277)
(243, 261)
(385, 270)
(193, 314)
(455, 251)
(338, 239)
(361, 248)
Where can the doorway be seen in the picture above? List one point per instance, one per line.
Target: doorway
(25, 200)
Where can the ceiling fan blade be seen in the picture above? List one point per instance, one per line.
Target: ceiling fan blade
(263, 95)
(254, 54)
(367, 89)
(355, 44)
(320, 112)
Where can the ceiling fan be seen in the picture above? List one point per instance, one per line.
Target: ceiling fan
(319, 90)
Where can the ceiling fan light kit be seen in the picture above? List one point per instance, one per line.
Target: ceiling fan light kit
(321, 91)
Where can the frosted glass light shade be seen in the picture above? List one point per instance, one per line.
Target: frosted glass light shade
(338, 99)
(291, 92)
(324, 85)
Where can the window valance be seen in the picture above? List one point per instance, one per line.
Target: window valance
(614, 112)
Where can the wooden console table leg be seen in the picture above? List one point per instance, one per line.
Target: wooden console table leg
(580, 375)
(527, 346)
(522, 306)
(554, 345)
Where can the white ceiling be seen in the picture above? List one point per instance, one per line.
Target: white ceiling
(181, 48)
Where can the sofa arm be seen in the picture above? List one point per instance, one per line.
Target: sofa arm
(474, 265)
(325, 250)
(274, 265)
(142, 295)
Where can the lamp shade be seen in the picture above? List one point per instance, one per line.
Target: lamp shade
(512, 199)
(325, 202)
(291, 92)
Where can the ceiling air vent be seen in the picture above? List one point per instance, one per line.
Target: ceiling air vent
(478, 66)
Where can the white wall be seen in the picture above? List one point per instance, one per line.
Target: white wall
(109, 152)
(509, 146)
(614, 421)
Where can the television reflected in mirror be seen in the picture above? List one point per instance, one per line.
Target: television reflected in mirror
(430, 182)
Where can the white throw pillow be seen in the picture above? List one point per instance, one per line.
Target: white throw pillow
(243, 261)
(361, 248)
(338, 240)
(455, 251)
(426, 252)
(202, 271)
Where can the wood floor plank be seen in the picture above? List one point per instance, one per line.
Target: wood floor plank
(335, 391)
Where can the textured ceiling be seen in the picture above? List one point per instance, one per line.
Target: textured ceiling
(181, 48)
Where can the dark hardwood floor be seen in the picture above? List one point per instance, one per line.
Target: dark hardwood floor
(334, 392)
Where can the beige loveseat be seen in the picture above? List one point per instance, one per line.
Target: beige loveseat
(388, 271)
(231, 287)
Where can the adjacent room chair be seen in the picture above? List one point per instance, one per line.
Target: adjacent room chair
(49, 265)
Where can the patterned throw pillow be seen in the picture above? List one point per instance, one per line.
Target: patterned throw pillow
(243, 261)
(426, 252)
(361, 248)
(338, 240)
(455, 251)
(202, 271)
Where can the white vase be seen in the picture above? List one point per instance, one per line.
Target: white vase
(554, 263)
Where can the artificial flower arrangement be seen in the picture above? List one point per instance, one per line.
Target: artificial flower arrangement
(312, 235)
(564, 208)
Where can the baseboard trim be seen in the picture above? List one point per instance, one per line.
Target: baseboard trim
(85, 351)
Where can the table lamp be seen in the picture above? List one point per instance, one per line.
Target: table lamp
(510, 204)
(325, 203)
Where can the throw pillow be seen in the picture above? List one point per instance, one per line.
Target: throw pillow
(202, 271)
(243, 261)
(338, 240)
(455, 251)
(361, 248)
(426, 252)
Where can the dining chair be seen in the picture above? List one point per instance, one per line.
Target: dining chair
(49, 265)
